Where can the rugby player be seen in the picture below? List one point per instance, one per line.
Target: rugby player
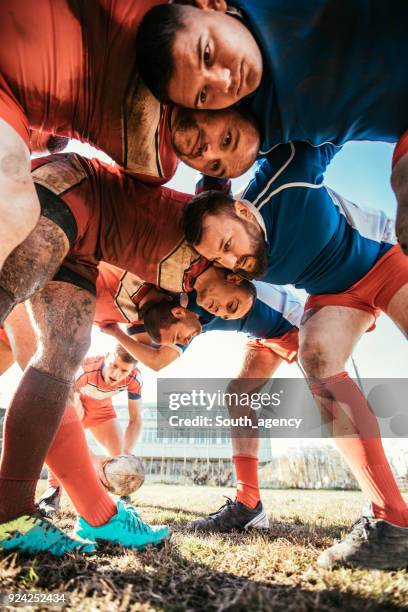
(100, 378)
(94, 89)
(224, 301)
(80, 224)
(288, 227)
(319, 71)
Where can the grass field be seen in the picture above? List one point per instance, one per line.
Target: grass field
(271, 570)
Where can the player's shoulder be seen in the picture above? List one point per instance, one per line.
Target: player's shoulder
(61, 172)
(287, 170)
(136, 376)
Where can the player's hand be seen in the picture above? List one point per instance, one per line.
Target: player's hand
(99, 463)
(112, 329)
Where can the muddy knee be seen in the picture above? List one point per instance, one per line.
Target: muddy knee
(314, 358)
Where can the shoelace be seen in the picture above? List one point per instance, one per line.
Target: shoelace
(133, 522)
(227, 504)
(361, 526)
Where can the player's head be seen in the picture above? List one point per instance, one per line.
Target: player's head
(222, 143)
(196, 55)
(224, 294)
(226, 232)
(47, 143)
(169, 324)
(118, 365)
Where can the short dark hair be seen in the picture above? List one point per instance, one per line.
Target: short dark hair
(207, 203)
(251, 289)
(154, 47)
(123, 354)
(56, 144)
(159, 317)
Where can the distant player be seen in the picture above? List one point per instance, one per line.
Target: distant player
(98, 381)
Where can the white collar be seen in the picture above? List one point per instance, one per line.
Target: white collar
(257, 216)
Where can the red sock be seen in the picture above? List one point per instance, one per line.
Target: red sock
(70, 460)
(31, 421)
(246, 468)
(401, 148)
(53, 480)
(364, 452)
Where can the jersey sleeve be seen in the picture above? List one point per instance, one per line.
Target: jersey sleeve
(12, 113)
(135, 386)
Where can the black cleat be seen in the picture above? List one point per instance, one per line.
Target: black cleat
(372, 543)
(232, 516)
(49, 502)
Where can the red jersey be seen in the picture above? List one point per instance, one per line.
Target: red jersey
(67, 67)
(121, 221)
(117, 295)
(91, 384)
(4, 337)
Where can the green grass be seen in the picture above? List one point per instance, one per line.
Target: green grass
(271, 570)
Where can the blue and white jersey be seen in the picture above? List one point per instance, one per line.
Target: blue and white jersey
(276, 311)
(316, 240)
(334, 70)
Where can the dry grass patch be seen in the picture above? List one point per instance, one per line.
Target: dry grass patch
(269, 570)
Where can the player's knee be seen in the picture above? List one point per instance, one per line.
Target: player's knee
(77, 351)
(314, 357)
(61, 355)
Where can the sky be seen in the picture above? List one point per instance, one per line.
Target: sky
(360, 172)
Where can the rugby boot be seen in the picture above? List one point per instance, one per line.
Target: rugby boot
(233, 515)
(49, 502)
(32, 534)
(125, 528)
(372, 543)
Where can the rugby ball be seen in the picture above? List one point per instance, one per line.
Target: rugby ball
(124, 473)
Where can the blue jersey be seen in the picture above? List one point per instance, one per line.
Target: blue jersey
(334, 70)
(316, 240)
(275, 312)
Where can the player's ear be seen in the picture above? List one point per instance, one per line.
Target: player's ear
(242, 210)
(232, 277)
(178, 312)
(212, 5)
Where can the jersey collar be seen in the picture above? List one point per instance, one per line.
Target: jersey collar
(257, 216)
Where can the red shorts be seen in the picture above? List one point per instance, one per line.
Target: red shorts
(285, 346)
(4, 337)
(97, 412)
(400, 149)
(374, 291)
